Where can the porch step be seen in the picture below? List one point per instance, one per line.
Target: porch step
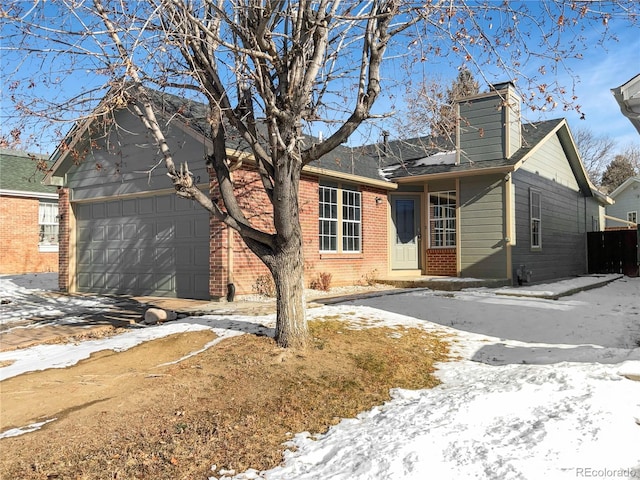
(449, 284)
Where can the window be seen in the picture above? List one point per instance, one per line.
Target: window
(535, 202)
(632, 217)
(442, 219)
(339, 207)
(48, 222)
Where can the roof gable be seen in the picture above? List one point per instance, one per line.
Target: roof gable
(624, 186)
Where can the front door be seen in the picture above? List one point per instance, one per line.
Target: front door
(405, 215)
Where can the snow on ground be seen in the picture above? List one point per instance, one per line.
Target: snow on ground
(555, 419)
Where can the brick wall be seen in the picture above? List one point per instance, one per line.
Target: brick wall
(441, 261)
(345, 269)
(64, 247)
(19, 237)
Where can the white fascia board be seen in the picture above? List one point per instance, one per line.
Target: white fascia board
(22, 193)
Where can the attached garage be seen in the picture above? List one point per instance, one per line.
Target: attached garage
(149, 245)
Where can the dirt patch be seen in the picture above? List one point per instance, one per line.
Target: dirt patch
(126, 415)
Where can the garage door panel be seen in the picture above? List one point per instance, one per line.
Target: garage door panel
(84, 281)
(114, 232)
(112, 282)
(129, 207)
(98, 256)
(114, 209)
(97, 233)
(165, 285)
(98, 210)
(164, 204)
(129, 258)
(145, 206)
(146, 246)
(129, 232)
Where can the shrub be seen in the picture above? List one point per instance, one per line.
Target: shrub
(370, 278)
(321, 282)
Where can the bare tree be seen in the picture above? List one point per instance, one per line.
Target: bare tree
(288, 65)
(430, 108)
(595, 150)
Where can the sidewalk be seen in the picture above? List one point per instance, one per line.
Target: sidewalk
(561, 288)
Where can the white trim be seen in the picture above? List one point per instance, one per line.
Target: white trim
(22, 193)
(48, 248)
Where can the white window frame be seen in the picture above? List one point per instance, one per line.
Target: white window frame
(535, 218)
(48, 219)
(632, 217)
(339, 219)
(442, 227)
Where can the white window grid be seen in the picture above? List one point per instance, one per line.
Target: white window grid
(351, 220)
(48, 222)
(328, 219)
(442, 208)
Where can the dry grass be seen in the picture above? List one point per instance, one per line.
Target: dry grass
(232, 406)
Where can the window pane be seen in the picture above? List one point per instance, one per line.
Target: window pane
(442, 219)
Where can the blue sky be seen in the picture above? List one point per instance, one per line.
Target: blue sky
(601, 69)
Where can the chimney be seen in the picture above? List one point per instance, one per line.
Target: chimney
(489, 126)
(385, 140)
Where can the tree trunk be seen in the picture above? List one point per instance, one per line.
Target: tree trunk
(288, 276)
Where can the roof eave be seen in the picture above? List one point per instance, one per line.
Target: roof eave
(454, 174)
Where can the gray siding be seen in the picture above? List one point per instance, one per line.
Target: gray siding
(117, 165)
(627, 200)
(481, 129)
(482, 227)
(550, 162)
(566, 217)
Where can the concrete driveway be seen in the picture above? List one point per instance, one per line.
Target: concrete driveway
(598, 325)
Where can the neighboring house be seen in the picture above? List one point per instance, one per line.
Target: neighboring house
(625, 212)
(512, 200)
(28, 216)
(628, 97)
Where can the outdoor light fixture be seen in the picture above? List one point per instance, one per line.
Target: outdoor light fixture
(378, 200)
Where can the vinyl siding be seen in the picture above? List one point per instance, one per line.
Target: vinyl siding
(550, 162)
(119, 163)
(482, 227)
(626, 201)
(566, 216)
(481, 128)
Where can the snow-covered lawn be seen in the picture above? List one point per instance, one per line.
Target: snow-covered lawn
(496, 420)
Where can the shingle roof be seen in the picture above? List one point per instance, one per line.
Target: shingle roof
(532, 134)
(365, 161)
(18, 172)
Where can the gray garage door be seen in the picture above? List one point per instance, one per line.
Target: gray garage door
(156, 246)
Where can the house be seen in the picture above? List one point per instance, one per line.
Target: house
(28, 216)
(624, 212)
(510, 202)
(628, 97)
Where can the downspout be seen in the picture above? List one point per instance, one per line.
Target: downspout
(509, 226)
(231, 288)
